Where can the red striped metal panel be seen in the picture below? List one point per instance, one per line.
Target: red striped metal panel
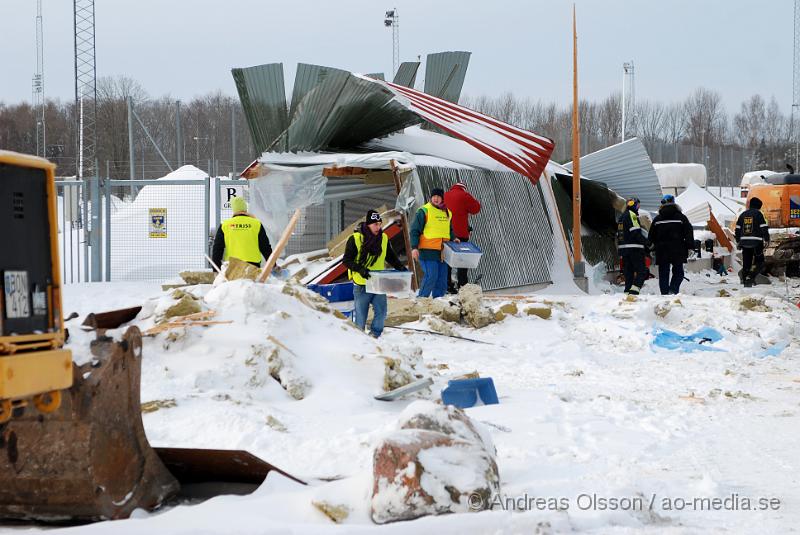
(519, 150)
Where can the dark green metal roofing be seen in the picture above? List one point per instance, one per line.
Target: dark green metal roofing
(376, 75)
(341, 112)
(263, 97)
(406, 74)
(445, 73)
(307, 78)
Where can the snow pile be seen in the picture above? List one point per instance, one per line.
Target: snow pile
(588, 411)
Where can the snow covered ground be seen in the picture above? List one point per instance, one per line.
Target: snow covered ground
(596, 431)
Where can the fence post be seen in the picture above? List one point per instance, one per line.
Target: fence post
(207, 215)
(108, 229)
(95, 238)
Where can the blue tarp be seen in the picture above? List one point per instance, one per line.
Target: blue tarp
(697, 341)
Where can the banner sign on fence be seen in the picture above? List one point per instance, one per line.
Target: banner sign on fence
(158, 222)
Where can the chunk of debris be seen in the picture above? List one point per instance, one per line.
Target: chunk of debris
(395, 374)
(543, 311)
(279, 365)
(723, 293)
(239, 269)
(198, 277)
(437, 461)
(754, 303)
(185, 306)
(337, 513)
(662, 309)
(276, 424)
(474, 312)
(153, 406)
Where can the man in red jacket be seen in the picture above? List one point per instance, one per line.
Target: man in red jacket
(461, 204)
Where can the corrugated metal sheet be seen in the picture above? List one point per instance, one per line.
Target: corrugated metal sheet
(445, 73)
(342, 112)
(376, 75)
(407, 73)
(513, 229)
(307, 78)
(627, 170)
(263, 97)
(517, 149)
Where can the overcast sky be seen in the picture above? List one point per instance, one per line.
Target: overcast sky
(186, 48)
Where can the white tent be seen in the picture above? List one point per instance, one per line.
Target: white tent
(675, 177)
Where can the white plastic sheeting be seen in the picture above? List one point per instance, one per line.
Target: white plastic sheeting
(299, 183)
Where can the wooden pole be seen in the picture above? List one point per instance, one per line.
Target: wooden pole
(576, 153)
(276, 252)
(412, 266)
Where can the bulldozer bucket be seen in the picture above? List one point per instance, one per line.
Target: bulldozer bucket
(90, 459)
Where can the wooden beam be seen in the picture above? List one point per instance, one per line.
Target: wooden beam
(276, 252)
(716, 228)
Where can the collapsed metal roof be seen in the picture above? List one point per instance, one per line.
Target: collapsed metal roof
(335, 110)
(263, 96)
(626, 168)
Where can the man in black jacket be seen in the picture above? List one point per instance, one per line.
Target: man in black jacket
(368, 249)
(672, 237)
(752, 235)
(631, 240)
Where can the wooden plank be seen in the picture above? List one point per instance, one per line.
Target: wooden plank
(722, 238)
(281, 245)
(344, 171)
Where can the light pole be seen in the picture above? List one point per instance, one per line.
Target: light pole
(392, 20)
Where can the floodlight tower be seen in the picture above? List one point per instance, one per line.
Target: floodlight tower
(85, 86)
(392, 19)
(38, 85)
(628, 80)
(796, 85)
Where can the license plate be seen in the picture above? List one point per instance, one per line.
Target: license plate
(17, 294)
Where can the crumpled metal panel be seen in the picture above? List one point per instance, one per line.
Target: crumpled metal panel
(445, 73)
(407, 73)
(263, 97)
(513, 229)
(307, 78)
(627, 170)
(376, 75)
(342, 112)
(518, 150)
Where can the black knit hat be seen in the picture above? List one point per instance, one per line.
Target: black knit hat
(373, 216)
(437, 191)
(756, 203)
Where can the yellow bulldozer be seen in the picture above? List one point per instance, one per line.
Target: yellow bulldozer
(72, 443)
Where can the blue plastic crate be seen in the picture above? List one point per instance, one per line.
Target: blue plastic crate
(342, 291)
(464, 393)
(462, 255)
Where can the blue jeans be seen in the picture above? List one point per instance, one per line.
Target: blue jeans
(434, 279)
(666, 285)
(363, 299)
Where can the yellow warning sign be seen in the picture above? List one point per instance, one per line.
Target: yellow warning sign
(158, 222)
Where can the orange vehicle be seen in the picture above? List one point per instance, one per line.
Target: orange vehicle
(781, 198)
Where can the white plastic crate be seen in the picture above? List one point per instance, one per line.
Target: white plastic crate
(389, 282)
(462, 255)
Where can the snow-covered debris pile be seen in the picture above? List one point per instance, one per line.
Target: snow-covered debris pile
(436, 461)
(265, 336)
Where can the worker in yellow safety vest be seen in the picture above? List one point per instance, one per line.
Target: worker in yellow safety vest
(368, 249)
(242, 236)
(429, 230)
